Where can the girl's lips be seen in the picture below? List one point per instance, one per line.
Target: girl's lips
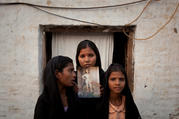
(118, 88)
(87, 65)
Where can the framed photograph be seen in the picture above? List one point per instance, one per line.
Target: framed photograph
(88, 82)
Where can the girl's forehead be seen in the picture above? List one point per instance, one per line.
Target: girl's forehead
(87, 49)
(70, 64)
(116, 73)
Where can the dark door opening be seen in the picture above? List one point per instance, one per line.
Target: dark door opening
(120, 46)
(122, 51)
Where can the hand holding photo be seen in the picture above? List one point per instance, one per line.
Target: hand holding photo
(88, 82)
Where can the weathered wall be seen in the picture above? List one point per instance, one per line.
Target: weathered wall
(156, 82)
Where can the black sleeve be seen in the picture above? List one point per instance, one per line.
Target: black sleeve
(132, 111)
(102, 77)
(136, 111)
(41, 108)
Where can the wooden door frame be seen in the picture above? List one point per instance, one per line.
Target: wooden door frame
(129, 66)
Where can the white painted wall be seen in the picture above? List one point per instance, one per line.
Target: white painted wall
(156, 60)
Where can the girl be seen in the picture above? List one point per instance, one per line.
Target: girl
(117, 101)
(58, 97)
(87, 56)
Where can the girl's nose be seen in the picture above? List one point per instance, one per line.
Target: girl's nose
(86, 59)
(117, 82)
(74, 75)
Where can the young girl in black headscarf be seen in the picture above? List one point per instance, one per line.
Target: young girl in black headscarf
(117, 101)
(88, 56)
(58, 98)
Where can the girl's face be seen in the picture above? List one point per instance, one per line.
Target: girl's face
(116, 82)
(87, 57)
(67, 76)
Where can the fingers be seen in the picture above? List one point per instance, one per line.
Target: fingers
(101, 90)
(74, 83)
(75, 87)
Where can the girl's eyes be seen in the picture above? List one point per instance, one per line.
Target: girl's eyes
(120, 79)
(71, 70)
(112, 79)
(82, 56)
(89, 55)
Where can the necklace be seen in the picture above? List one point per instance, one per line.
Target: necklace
(119, 103)
(116, 109)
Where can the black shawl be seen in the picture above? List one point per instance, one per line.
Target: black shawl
(46, 109)
(87, 106)
(102, 109)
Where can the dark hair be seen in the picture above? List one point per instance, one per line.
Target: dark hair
(131, 108)
(116, 68)
(87, 43)
(49, 78)
(49, 104)
(56, 63)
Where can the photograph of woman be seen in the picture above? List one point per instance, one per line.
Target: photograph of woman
(88, 82)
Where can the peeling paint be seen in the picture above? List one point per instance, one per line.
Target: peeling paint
(154, 114)
(175, 30)
(3, 115)
(49, 2)
(14, 109)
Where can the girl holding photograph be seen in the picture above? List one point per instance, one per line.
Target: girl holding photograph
(88, 56)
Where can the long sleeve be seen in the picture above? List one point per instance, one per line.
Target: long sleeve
(41, 109)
